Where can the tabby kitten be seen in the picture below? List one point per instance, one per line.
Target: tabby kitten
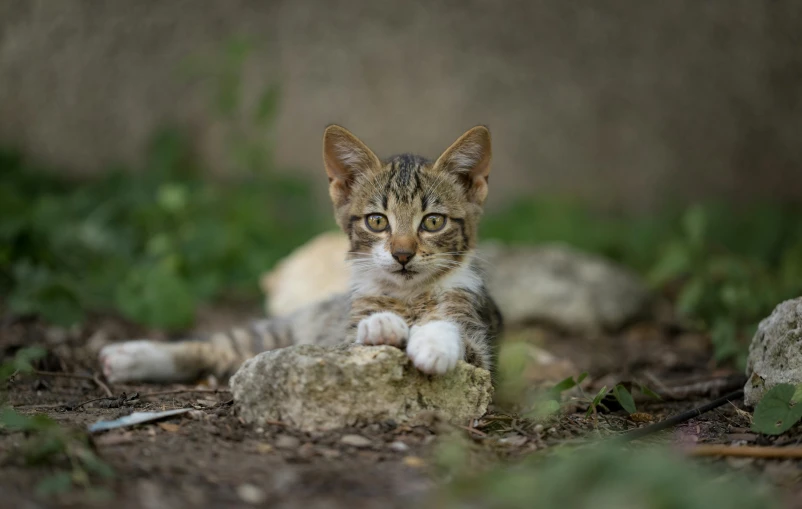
(415, 284)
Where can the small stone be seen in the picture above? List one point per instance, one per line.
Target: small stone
(356, 441)
(514, 440)
(399, 446)
(197, 415)
(263, 448)
(251, 494)
(306, 451)
(287, 442)
(329, 453)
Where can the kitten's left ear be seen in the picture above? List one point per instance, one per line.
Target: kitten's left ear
(469, 159)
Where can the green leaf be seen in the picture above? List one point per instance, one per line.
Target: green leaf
(724, 336)
(157, 295)
(11, 419)
(674, 262)
(596, 400)
(95, 465)
(624, 398)
(648, 392)
(26, 356)
(55, 484)
(690, 298)
(777, 413)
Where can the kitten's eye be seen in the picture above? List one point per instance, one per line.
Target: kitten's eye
(433, 222)
(376, 222)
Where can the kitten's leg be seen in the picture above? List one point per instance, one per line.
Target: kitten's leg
(185, 361)
(383, 328)
(464, 326)
(221, 354)
(435, 347)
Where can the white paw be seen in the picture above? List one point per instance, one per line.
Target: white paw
(383, 328)
(137, 361)
(435, 347)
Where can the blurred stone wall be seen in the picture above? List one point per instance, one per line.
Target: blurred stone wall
(625, 102)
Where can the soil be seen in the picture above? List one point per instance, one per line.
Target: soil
(208, 458)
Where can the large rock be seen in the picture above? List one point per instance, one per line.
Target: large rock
(322, 388)
(775, 355)
(560, 286)
(552, 284)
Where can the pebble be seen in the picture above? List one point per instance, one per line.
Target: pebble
(356, 441)
(251, 494)
(399, 446)
(287, 442)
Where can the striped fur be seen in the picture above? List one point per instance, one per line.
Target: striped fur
(413, 287)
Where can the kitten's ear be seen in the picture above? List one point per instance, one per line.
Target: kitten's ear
(345, 158)
(469, 159)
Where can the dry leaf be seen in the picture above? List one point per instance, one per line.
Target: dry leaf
(414, 462)
(641, 417)
(168, 426)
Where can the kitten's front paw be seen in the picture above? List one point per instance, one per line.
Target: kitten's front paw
(435, 347)
(136, 361)
(382, 329)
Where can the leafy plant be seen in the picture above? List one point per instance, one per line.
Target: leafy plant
(609, 477)
(779, 410)
(725, 267)
(155, 244)
(47, 443)
(725, 292)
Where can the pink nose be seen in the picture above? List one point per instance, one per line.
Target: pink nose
(403, 257)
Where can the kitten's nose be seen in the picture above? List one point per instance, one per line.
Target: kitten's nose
(403, 257)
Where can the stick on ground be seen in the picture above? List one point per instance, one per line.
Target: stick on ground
(679, 418)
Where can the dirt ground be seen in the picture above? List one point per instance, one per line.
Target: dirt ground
(209, 458)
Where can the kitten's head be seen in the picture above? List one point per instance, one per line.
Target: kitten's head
(409, 220)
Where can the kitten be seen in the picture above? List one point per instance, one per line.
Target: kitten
(415, 284)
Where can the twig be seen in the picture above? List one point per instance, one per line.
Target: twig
(693, 388)
(79, 405)
(275, 423)
(103, 386)
(751, 451)
(679, 418)
(472, 430)
(180, 391)
(63, 375)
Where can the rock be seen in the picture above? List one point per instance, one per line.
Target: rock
(775, 355)
(356, 441)
(312, 272)
(399, 446)
(552, 284)
(287, 442)
(560, 286)
(322, 388)
(251, 494)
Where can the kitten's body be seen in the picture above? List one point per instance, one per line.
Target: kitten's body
(414, 284)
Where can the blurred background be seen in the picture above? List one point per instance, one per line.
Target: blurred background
(169, 152)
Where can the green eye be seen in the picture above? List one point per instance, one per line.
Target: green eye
(433, 222)
(376, 222)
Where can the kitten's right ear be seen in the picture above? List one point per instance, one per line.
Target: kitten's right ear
(345, 158)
